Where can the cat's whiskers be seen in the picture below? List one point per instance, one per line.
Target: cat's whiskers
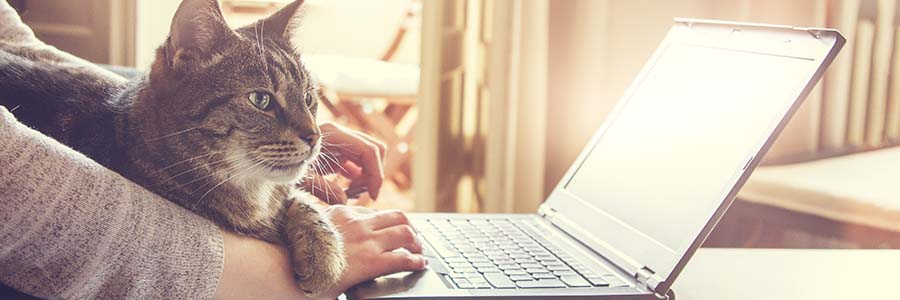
(226, 180)
(326, 186)
(172, 178)
(314, 176)
(329, 156)
(319, 166)
(172, 134)
(15, 108)
(210, 174)
(231, 169)
(189, 159)
(241, 162)
(326, 145)
(259, 29)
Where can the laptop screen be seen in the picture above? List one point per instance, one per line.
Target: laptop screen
(665, 163)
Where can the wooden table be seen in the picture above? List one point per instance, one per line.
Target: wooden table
(795, 274)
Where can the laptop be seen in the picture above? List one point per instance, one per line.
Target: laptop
(648, 188)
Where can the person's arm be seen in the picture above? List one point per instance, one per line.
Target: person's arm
(258, 270)
(70, 228)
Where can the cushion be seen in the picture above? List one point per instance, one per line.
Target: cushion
(862, 188)
(364, 77)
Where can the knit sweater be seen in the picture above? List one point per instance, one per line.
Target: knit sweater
(72, 229)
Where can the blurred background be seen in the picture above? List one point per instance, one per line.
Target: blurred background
(485, 103)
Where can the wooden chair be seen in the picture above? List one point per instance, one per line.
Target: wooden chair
(375, 95)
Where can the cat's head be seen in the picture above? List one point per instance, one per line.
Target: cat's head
(242, 97)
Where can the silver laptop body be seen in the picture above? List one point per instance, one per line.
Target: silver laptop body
(648, 188)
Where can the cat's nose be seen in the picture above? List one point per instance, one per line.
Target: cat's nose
(310, 138)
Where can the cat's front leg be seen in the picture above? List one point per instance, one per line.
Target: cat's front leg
(317, 252)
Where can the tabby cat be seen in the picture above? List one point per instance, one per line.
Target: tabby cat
(223, 124)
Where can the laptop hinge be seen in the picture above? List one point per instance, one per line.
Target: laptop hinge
(546, 212)
(643, 276)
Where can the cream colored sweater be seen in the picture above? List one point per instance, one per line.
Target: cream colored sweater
(72, 229)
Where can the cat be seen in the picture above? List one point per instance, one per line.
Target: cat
(224, 124)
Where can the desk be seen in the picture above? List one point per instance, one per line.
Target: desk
(795, 274)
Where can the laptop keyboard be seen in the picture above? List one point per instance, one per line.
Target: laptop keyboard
(505, 254)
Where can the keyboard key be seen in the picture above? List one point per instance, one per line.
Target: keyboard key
(558, 268)
(456, 260)
(462, 283)
(463, 264)
(520, 277)
(614, 281)
(564, 273)
(489, 270)
(532, 265)
(517, 272)
(526, 261)
(443, 249)
(543, 276)
(575, 281)
(482, 285)
(536, 270)
(479, 259)
(509, 267)
(544, 283)
(550, 262)
(437, 266)
(499, 281)
(598, 281)
(494, 252)
(519, 256)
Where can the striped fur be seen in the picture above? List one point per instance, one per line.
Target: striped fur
(187, 130)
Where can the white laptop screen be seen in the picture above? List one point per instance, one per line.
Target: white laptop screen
(664, 164)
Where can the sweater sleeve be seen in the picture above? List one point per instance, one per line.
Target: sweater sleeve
(72, 229)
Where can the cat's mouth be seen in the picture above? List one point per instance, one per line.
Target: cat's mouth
(285, 170)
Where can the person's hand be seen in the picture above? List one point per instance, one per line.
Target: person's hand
(376, 243)
(351, 154)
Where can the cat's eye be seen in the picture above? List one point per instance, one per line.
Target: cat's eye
(261, 100)
(309, 99)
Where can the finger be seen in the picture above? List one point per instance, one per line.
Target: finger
(388, 218)
(372, 170)
(351, 170)
(362, 210)
(355, 190)
(399, 261)
(363, 200)
(396, 237)
(334, 193)
(382, 147)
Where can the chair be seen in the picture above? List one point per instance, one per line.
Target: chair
(375, 95)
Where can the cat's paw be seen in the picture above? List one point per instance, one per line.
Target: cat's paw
(319, 266)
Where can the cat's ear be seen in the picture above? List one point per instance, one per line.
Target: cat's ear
(283, 22)
(198, 28)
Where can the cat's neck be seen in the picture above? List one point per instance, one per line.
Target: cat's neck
(244, 205)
